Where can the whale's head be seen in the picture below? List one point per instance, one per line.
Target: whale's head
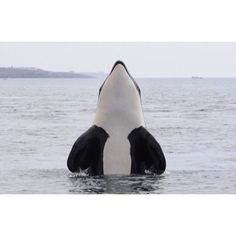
(119, 98)
(119, 74)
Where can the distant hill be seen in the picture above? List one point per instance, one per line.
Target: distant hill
(97, 74)
(31, 72)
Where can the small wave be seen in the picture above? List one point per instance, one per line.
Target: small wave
(82, 173)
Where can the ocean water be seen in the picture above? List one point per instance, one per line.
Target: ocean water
(194, 120)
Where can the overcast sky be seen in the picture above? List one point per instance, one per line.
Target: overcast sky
(142, 59)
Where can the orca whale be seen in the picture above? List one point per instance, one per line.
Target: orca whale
(117, 142)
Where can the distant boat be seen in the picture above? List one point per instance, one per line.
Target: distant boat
(197, 77)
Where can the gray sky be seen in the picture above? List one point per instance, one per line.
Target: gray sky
(142, 59)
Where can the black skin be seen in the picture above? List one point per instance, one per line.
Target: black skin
(146, 153)
(87, 152)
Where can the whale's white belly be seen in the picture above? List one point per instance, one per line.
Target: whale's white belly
(116, 155)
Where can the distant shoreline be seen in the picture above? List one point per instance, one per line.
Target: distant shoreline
(31, 73)
(36, 73)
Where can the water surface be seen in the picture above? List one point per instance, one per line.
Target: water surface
(192, 119)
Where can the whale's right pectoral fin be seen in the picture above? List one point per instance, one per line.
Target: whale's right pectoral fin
(146, 153)
(87, 152)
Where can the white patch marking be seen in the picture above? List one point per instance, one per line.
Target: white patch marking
(119, 111)
(117, 158)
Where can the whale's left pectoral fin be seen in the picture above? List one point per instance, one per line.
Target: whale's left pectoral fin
(146, 153)
(87, 152)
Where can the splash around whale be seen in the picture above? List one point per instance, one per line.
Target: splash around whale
(117, 142)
